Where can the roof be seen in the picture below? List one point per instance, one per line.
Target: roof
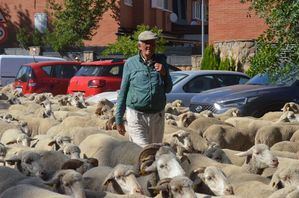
(43, 63)
(104, 62)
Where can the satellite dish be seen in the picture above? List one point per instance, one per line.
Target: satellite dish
(173, 17)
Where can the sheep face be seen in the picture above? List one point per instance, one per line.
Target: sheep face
(217, 181)
(72, 151)
(68, 182)
(261, 156)
(167, 166)
(182, 140)
(124, 176)
(217, 154)
(181, 186)
(30, 165)
(289, 177)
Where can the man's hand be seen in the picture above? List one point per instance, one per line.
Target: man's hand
(121, 129)
(159, 68)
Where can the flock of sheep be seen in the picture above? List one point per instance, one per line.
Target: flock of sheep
(64, 146)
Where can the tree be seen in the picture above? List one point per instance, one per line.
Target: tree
(127, 45)
(210, 59)
(74, 21)
(278, 47)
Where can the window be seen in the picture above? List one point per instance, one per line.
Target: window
(227, 80)
(65, 71)
(161, 4)
(196, 10)
(128, 2)
(24, 73)
(115, 70)
(47, 70)
(201, 83)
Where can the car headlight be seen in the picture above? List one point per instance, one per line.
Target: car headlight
(230, 103)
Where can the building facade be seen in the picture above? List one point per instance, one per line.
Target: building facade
(233, 30)
(174, 17)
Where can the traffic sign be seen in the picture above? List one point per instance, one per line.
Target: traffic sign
(3, 33)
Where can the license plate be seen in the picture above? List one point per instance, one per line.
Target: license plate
(19, 89)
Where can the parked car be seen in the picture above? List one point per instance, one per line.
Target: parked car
(259, 95)
(186, 84)
(99, 76)
(10, 64)
(50, 76)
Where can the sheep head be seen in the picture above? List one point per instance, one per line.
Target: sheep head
(123, 180)
(215, 179)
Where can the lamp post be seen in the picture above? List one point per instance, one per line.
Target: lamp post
(202, 27)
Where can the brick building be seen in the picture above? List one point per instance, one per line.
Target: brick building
(176, 26)
(233, 29)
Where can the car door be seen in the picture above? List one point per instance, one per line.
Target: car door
(194, 86)
(47, 81)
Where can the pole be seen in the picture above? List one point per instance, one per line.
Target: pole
(202, 27)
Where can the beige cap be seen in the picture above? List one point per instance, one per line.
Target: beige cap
(147, 35)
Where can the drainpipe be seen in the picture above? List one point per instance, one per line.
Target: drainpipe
(202, 27)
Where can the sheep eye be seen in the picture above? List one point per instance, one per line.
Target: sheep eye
(162, 166)
(118, 177)
(209, 178)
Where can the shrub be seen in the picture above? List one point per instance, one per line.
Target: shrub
(210, 60)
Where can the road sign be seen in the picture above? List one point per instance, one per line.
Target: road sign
(3, 33)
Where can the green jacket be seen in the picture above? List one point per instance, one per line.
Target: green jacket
(142, 87)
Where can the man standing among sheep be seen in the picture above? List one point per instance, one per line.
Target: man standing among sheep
(145, 82)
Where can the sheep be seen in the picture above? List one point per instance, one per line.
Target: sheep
(120, 179)
(202, 123)
(288, 192)
(295, 136)
(185, 119)
(227, 137)
(42, 164)
(216, 153)
(276, 133)
(12, 136)
(109, 150)
(272, 116)
(104, 106)
(291, 106)
(48, 112)
(68, 182)
(232, 112)
(80, 165)
(250, 189)
(3, 151)
(181, 142)
(215, 180)
(258, 158)
(286, 146)
(179, 186)
(166, 164)
(29, 191)
(286, 175)
(288, 116)
(11, 177)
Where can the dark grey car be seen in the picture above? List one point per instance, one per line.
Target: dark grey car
(258, 96)
(186, 84)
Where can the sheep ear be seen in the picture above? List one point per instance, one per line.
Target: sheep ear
(11, 142)
(72, 164)
(51, 143)
(13, 160)
(151, 168)
(108, 178)
(245, 153)
(85, 156)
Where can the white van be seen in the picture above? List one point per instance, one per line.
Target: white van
(10, 64)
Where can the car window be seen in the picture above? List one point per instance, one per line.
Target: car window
(227, 80)
(47, 69)
(65, 71)
(177, 77)
(24, 73)
(115, 70)
(201, 83)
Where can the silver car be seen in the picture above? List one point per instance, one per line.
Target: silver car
(186, 84)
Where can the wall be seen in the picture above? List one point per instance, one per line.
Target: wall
(21, 13)
(231, 20)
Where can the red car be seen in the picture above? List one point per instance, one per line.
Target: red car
(49, 76)
(97, 77)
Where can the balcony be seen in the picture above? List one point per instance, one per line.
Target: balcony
(187, 29)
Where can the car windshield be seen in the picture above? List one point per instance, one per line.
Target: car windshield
(285, 80)
(177, 77)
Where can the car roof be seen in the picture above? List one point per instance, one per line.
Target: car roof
(104, 62)
(204, 72)
(43, 63)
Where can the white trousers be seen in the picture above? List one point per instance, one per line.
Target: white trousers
(145, 128)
